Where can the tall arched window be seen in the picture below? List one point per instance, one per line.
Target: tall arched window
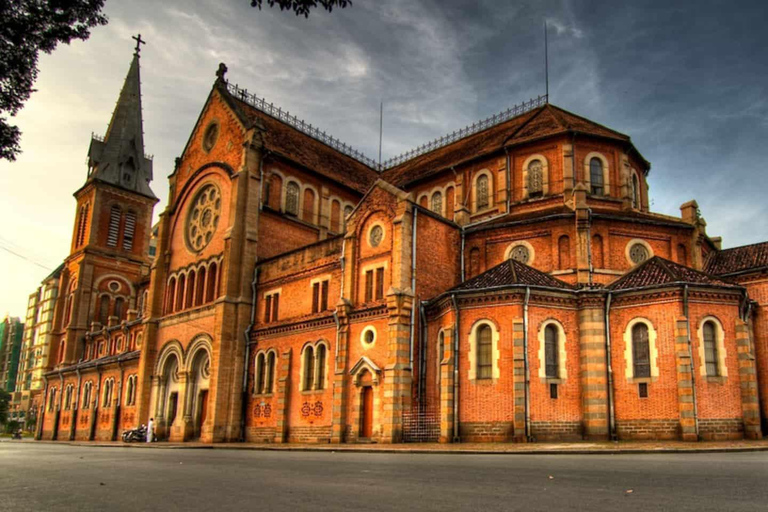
(551, 352)
(270, 371)
(320, 372)
(437, 203)
(191, 279)
(107, 396)
(200, 287)
(292, 198)
(171, 295)
(104, 309)
(130, 390)
(596, 176)
(113, 233)
(308, 364)
(119, 303)
(710, 349)
(535, 178)
(87, 388)
(51, 399)
(68, 397)
(210, 291)
(635, 192)
(308, 215)
(482, 199)
(564, 252)
(484, 352)
(129, 230)
(641, 351)
(259, 377)
(182, 288)
(68, 310)
(81, 224)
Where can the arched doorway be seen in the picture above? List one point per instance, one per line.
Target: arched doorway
(167, 410)
(200, 372)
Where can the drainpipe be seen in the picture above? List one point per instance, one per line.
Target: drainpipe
(462, 255)
(413, 282)
(528, 435)
(342, 263)
(116, 417)
(261, 179)
(690, 355)
(41, 416)
(247, 360)
(456, 436)
(748, 321)
(609, 366)
(422, 352)
(76, 406)
(57, 410)
(589, 243)
(509, 179)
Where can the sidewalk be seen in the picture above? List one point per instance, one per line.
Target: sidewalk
(580, 448)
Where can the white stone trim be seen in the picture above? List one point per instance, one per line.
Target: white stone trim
(562, 372)
(652, 349)
(606, 172)
(629, 246)
(491, 190)
(722, 369)
(544, 170)
(368, 328)
(531, 251)
(383, 236)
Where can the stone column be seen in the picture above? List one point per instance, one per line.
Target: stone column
(182, 430)
(750, 404)
(568, 169)
(446, 388)
(283, 397)
(583, 269)
(684, 367)
(518, 353)
(396, 384)
(594, 371)
(340, 380)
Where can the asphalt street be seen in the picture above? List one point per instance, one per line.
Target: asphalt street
(47, 477)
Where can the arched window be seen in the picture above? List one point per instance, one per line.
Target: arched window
(535, 178)
(308, 214)
(210, 292)
(270, 371)
(180, 293)
(68, 309)
(130, 390)
(320, 372)
(596, 176)
(564, 252)
(482, 199)
(171, 295)
(68, 397)
(87, 395)
(260, 375)
(710, 349)
(641, 351)
(119, 303)
(51, 399)
(292, 198)
(129, 230)
(113, 233)
(104, 309)
(107, 395)
(200, 287)
(484, 352)
(437, 203)
(81, 224)
(635, 192)
(474, 262)
(191, 280)
(598, 261)
(308, 364)
(551, 352)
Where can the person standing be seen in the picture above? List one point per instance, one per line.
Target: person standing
(150, 429)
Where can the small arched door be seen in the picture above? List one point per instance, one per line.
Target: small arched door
(366, 421)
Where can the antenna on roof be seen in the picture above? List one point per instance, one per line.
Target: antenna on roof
(381, 129)
(546, 61)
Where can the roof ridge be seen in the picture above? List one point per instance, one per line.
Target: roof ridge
(663, 263)
(514, 270)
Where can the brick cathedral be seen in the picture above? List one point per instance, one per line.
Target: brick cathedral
(507, 282)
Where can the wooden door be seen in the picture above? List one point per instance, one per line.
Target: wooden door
(203, 412)
(172, 408)
(367, 423)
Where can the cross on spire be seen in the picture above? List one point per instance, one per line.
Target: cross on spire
(139, 42)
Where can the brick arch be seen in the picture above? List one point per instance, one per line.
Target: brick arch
(171, 348)
(201, 342)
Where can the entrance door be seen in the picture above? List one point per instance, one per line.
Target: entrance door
(203, 412)
(172, 408)
(367, 422)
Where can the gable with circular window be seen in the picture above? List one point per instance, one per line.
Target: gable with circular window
(203, 217)
(210, 136)
(638, 251)
(376, 235)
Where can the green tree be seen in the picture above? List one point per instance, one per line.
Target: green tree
(28, 27)
(5, 400)
(303, 7)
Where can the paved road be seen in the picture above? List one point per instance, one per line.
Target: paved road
(49, 477)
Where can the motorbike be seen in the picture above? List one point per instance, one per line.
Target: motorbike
(138, 435)
(16, 435)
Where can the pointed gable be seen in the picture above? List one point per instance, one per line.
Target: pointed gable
(118, 158)
(658, 271)
(511, 273)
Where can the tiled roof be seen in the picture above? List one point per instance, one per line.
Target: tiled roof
(738, 259)
(511, 273)
(540, 122)
(659, 271)
(305, 150)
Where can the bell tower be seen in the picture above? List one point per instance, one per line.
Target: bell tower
(109, 254)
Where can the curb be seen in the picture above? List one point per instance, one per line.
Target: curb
(413, 451)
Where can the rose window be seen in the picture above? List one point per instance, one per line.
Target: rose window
(638, 253)
(520, 253)
(203, 217)
(377, 234)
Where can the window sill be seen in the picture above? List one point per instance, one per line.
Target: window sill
(310, 392)
(715, 380)
(641, 380)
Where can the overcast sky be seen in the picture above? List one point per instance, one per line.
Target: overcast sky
(686, 80)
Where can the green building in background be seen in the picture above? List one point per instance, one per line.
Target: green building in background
(11, 334)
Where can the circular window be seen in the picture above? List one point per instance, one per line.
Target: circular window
(203, 217)
(520, 253)
(211, 136)
(368, 337)
(114, 286)
(638, 253)
(376, 236)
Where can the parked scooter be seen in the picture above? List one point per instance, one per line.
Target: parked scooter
(16, 434)
(138, 435)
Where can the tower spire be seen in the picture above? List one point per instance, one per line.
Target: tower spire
(118, 158)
